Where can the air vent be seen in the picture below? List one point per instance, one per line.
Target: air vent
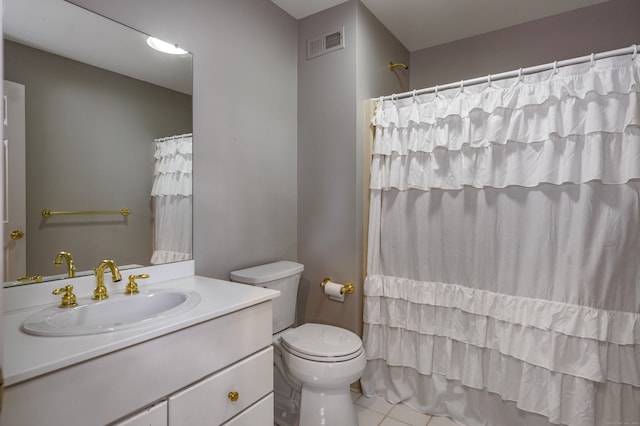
(325, 43)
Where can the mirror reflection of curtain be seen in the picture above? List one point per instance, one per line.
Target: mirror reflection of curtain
(504, 250)
(172, 195)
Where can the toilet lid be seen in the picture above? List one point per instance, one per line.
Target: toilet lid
(322, 342)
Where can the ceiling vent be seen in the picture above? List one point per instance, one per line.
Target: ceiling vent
(325, 43)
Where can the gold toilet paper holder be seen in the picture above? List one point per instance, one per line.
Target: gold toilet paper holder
(347, 288)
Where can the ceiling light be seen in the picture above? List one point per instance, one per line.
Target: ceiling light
(164, 47)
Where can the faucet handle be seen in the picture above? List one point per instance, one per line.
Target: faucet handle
(132, 286)
(68, 298)
(34, 278)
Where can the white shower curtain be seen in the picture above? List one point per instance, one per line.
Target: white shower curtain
(503, 281)
(172, 194)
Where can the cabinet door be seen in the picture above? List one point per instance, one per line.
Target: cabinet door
(224, 394)
(259, 414)
(152, 416)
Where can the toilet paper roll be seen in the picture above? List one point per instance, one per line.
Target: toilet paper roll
(334, 291)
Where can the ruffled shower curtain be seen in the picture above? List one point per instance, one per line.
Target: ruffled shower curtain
(172, 194)
(503, 281)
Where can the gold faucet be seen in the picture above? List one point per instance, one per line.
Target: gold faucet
(100, 292)
(71, 266)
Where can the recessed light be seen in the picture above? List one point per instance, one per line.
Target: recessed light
(164, 47)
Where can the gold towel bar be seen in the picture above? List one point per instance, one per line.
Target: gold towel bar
(123, 212)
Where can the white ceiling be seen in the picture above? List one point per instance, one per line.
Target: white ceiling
(419, 24)
(302, 8)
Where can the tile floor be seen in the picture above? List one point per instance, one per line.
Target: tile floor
(377, 411)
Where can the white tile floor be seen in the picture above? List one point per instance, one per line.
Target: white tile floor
(377, 411)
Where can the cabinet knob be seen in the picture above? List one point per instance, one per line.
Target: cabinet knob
(233, 396)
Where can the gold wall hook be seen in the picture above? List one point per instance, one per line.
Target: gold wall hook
(394, 65)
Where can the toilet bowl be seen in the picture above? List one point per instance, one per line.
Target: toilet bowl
(325, 360)
(314, 364)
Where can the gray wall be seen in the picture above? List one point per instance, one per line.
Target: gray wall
(245, 122)
(331, 91)
(89, 147)
(277, 154)
(598, 28)
(326, 163)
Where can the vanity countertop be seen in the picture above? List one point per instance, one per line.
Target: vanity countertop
(27, 356)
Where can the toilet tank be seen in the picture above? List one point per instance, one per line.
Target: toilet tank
(283, 276)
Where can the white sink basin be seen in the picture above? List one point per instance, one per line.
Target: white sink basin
(116, 313)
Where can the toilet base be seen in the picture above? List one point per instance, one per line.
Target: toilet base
(286, 400)
(286, 392)
(321, 407)
(322, 385)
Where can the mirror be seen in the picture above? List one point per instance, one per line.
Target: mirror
(96, 97)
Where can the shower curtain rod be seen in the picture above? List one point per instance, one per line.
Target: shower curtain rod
(168, 138)
(516, 73)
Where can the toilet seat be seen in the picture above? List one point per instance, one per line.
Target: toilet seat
(322, 343)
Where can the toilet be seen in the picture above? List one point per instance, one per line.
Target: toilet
(314, 364)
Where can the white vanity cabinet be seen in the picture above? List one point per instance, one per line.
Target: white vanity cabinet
(243, 389)
(225, 394)
(185, 374)
(261, 413)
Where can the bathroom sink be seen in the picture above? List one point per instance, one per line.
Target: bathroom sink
(116, 313)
